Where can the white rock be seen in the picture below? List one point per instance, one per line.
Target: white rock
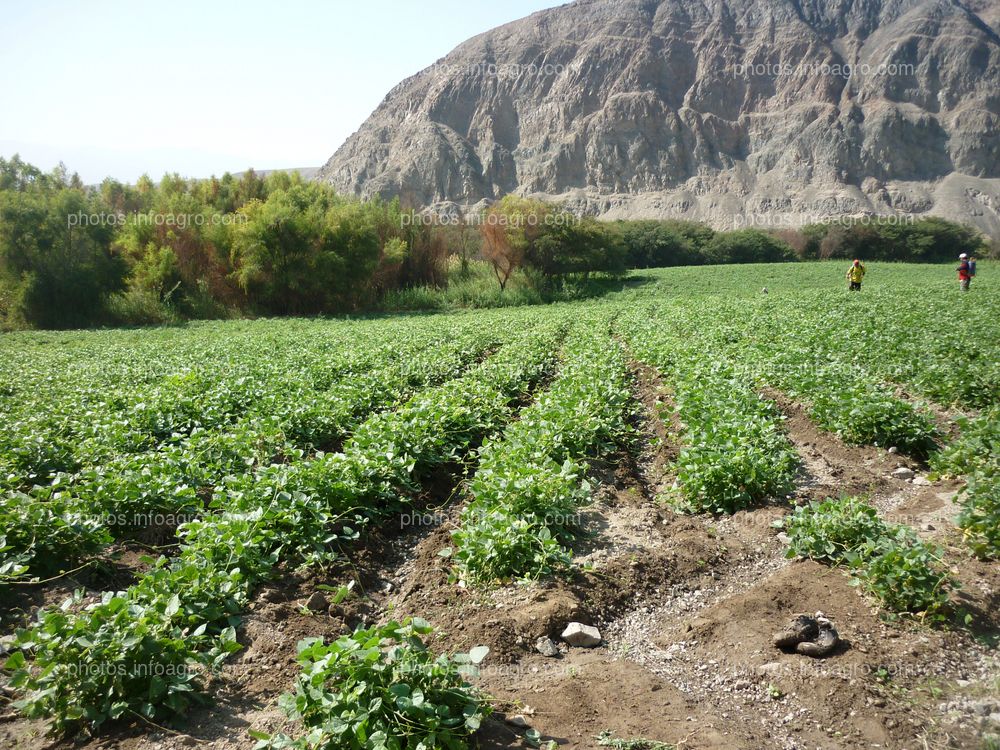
(922, 481)
(578, 634)
(518, 721)
(546, 647)
(903, 473)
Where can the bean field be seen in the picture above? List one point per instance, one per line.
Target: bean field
(372, 533)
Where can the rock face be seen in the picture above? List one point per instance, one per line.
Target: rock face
(728, 111)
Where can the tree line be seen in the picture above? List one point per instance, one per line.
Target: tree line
(156, 252)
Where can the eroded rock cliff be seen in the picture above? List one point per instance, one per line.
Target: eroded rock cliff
(731, 111)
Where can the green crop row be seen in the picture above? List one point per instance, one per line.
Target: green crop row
(77, 429)
(811, 358)
(531, 481)
(975, 455)
(905, 574)
(85, 510)
(734, 453)
(847, 402)
(935, 348)
(905, 329)
(143, 651)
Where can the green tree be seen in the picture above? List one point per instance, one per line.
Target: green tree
(55, 251)
(747, 246)
(305, 251)
(656, 244)
(572, 246)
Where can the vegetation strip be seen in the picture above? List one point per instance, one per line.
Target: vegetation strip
(143, 651)
(83, 512)
(975, 455)
(530, 482)
(733, 452)
(905, 574)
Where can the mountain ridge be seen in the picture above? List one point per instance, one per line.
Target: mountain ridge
(732, 112)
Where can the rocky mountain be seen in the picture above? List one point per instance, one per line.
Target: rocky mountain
(736, 112)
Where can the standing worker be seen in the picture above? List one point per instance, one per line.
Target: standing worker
(855, 274)
(965, 272)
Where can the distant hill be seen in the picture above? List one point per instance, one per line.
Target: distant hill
(308, 173)
(708, 110)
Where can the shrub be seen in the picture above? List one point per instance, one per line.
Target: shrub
(905, 574)
(139, 307)
(831, 529)
(381, 689)
(747, 246)
(62, 273)
(654, 244)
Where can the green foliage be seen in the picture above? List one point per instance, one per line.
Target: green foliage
(976, 455)
(496, 545)
(44, 537)
(281, 441)
(304, 251)
(531, 483)
(576, 246)
(830, 530)
(980, 515)
(734, 453)
(61, 267)
(888, 561)
(137, 306)
(656, 244)
(155, 253)
(976, 451)
(863, 414)
(299, 511)
(747, 246)
(930, 239)
(123, 658)
(381, 689)
(905, 574)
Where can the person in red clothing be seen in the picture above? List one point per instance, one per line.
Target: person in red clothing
(964, 272)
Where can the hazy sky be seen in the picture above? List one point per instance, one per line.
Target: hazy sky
(200, 87)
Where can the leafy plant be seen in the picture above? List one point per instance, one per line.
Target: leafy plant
(905, 574)
(976, 454)
(734, 453)
(531, 483)
(832, 529)
(300, 512)
(45, 536)
(381, 689)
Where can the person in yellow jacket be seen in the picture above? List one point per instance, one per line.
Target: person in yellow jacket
(856, 274)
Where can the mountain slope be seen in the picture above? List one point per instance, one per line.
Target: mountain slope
(723, 110)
